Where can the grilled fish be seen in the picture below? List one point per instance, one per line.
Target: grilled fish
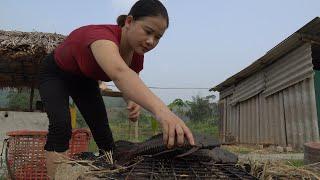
(125, 151)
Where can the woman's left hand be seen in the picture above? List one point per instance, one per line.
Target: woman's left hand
(134, 111)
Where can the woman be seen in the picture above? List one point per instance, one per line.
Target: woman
(107, 53)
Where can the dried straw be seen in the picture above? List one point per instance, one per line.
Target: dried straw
(18, 41)
(281, 170)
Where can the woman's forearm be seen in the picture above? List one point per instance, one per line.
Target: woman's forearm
(134, 89)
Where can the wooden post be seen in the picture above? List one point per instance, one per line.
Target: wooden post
(31, 97)
(73, 115)
(130, 124)
(136, 131)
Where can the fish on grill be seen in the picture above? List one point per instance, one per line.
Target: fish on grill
(216, 155)
(125, 151)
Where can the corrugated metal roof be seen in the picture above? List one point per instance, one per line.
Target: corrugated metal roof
(309, 32)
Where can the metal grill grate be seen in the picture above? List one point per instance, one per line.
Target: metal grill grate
(151, 168)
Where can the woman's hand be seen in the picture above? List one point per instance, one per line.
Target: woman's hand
(134, 111)
(174, 129)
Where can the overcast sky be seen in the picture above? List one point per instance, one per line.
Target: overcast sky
(207, 41)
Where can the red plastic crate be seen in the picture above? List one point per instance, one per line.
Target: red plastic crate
(26, 154)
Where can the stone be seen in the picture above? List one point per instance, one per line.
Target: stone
(279, 149)
(288, 149)
(260, 146)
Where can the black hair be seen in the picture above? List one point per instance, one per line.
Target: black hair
(145, 8)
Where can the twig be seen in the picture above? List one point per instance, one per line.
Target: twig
(114, 170)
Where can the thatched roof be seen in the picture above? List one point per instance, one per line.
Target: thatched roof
(106, 91)
(111, 93)
(20, 54)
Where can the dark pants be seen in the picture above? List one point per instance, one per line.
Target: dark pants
(55, 87)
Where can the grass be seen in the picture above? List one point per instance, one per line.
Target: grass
(92, 146)
(239, 149)
(203, 127)
(243, 151)
(3, 169)
(3, 177)
(295, 163)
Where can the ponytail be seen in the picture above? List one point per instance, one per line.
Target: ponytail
(121, 20)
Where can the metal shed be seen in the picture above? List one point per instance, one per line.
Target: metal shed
(276, 100)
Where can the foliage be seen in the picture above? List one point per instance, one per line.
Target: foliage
(81, 123)
(176, 103)
(201, 109)
(154, 125)
(3, 97)
(114, 102)
(2, 177)
(122, 115)
(145, 117)
(92, 146)
(205, 127)
(178, 107)
(20, 98)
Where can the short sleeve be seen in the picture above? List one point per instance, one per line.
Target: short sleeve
(99, 33)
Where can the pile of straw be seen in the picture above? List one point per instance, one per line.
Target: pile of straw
(70, 168)
(281, 170)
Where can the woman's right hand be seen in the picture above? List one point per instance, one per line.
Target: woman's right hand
(174, 129)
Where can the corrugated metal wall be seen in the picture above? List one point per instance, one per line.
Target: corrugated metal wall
(276, 105)
(227, 92)
(272, 124)
(248, 88)
(229, 120)
(222, 119)
(249, 120)
(232, 127)
(289, 70)
(289, 104)
(300, 113)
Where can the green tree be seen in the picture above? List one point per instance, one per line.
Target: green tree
(178, 106)
(19, 99)
(176, 103)
(200, 109)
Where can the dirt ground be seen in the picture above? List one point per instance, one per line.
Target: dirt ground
(274, 162)
(259, 153)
